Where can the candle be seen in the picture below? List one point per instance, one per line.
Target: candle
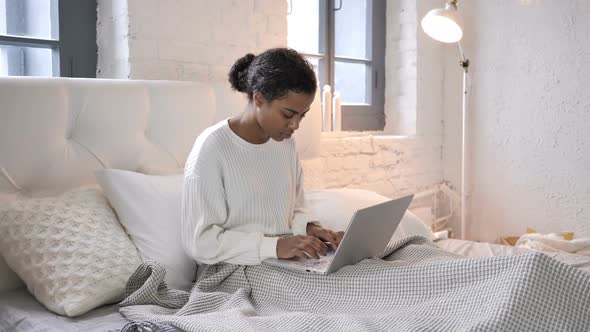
(336, 112)
(327, 108)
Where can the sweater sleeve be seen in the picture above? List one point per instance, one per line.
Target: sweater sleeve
(301, 215)
(204, 212)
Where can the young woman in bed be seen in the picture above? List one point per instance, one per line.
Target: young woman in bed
(243, 183)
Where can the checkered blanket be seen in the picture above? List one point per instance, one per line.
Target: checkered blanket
(411, 286)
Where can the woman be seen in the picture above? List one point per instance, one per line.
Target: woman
(243, 183)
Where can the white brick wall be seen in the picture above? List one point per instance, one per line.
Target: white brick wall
(400, 67)
(112, 39)
(199, 40)
(191, 39)
(390, 165)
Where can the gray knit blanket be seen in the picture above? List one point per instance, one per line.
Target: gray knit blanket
(411, 286)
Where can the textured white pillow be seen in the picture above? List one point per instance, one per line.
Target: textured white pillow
(149, 208)
(334, 209)
(70, 250)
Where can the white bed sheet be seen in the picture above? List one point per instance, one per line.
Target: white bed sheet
(482, 249)
(20, 312)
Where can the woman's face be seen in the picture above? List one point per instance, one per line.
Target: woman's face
(280, 118)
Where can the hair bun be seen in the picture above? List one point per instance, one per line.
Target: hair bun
(238, 74)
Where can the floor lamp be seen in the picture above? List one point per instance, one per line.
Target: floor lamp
(446, 25)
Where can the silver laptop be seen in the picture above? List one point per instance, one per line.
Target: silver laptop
(367, 234)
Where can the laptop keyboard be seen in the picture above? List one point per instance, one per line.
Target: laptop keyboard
(320, 264)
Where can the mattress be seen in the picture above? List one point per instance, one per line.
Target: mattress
(482, 249)
(20, 312)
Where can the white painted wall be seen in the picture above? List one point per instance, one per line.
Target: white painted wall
(530, 107)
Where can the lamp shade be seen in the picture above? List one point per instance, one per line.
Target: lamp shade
(443, 24)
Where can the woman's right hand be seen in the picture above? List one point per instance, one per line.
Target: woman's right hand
(300, 246)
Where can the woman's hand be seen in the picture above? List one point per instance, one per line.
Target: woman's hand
(300, 246)
(325, 235)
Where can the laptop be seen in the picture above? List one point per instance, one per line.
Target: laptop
(367, 234)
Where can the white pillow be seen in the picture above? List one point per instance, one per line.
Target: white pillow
(149, 208)
(334, 209)
(70, 250)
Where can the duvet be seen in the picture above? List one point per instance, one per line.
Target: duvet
(411, 286)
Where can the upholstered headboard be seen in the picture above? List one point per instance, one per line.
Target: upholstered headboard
(54, 132)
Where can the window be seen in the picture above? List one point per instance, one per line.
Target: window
(48, 38)
(345, 42)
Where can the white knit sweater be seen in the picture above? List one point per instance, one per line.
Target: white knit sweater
(238, 196)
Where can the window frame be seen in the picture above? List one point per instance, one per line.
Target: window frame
(355, 116)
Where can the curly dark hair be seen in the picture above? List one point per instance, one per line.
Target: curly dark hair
(273, 73)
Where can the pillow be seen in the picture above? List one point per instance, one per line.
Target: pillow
(149, 208)
(70, 250)
(334, 209)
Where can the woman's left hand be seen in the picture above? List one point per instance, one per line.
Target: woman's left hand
(325, 235)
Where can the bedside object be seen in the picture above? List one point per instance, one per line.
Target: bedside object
(507, 240)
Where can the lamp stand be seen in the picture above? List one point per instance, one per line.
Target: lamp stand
(464, 185)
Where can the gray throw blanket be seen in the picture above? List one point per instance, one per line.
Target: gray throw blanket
(412, 286)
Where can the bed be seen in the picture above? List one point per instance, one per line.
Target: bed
(47, 146)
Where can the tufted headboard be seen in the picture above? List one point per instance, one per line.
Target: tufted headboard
(54, 132)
